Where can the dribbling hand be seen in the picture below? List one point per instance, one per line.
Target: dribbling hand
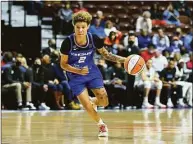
(84, 71)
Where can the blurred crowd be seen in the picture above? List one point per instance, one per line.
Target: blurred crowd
(159, 35)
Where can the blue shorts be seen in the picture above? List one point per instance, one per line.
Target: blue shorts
(79, 83)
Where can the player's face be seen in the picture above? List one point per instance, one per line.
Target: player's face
(81, 28)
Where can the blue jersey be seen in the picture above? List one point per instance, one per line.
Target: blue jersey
(79, 57)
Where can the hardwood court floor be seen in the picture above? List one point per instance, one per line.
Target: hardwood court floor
(75, 127)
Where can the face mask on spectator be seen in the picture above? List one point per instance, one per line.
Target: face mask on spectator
(53, 46)
(131, 42)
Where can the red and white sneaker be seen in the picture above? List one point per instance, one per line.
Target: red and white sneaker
(93, 105)
(103, 130)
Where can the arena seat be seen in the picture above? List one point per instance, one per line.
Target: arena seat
(91, 8)
(170, 28)
(133, 9)
(162, 8)
(74, 5)
(185, 28)
(125, 26)
(111, 17)
(105, 8)
(118, 9)
(184, 19)
(123, 17)
(146, 8)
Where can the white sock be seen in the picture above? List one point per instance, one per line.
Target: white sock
(27, 103)
(169, 100)
(100, 122)
(157, 99)
(145, 100)
(181, 100)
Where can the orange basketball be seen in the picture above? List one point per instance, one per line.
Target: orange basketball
(134, 64)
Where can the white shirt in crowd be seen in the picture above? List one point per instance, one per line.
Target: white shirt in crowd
(159, 63)
(150, 73)
(141, 24)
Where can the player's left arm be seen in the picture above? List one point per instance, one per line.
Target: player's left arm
(110, 56)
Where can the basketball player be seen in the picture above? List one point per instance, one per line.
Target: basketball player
(77, 53)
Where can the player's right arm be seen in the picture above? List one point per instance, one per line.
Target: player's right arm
(65, 48)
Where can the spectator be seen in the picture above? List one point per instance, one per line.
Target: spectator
(176, 57)
(7, 60)
(103, 67)
(185, 10)
(13, 79)
(144, 22)
(150, 80)
(51, 50)
(179, 34)
(188, 66)
(27, 78)
(149, 53)
(143, 40)
(131, 48)
(51, 80)
(113, 43)
(101, 18)
(39, 86)
(188, 41)
(66, 90)
(118, 78)
(171, 16)
(126, 39)
(65, 18)
(166, 54)
(97, 29)
(168, 76)
(109, 27)
(80, 7)
(156, 15)
(181, 80)
(159, 62)
(160, 40)
(176, 46)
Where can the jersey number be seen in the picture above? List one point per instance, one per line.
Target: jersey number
(81, 60)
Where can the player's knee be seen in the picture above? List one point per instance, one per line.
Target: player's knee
(103, 100)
